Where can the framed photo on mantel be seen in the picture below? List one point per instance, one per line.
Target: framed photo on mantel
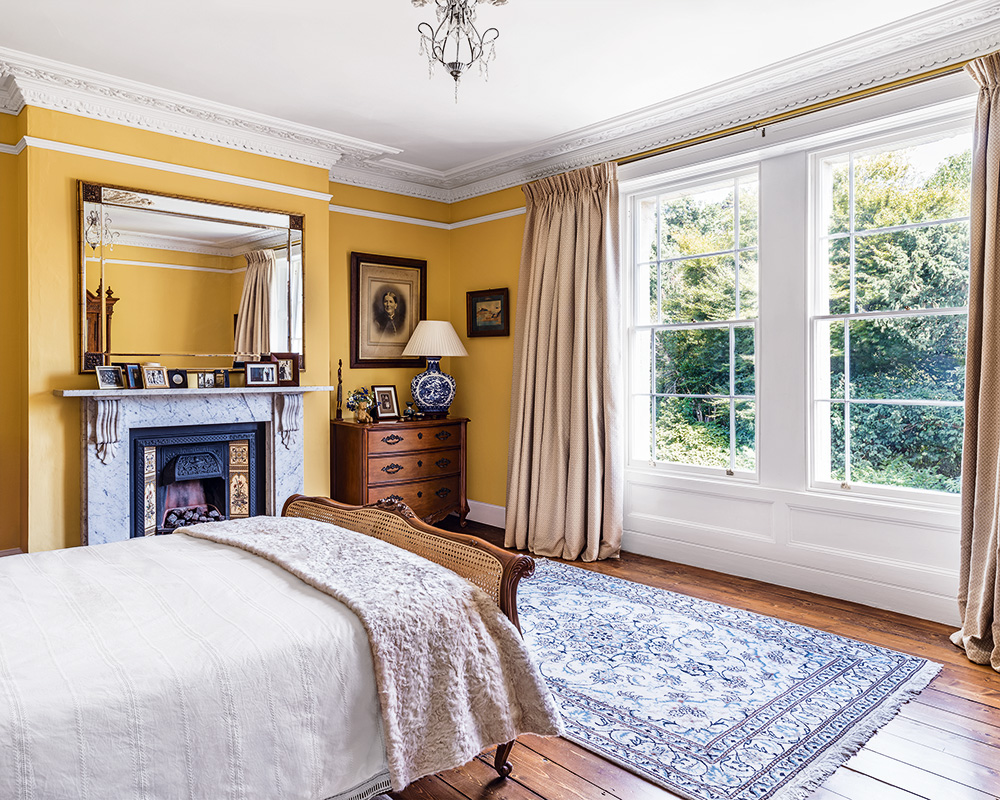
(388, 299)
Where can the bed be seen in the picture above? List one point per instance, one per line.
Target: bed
(315, 655)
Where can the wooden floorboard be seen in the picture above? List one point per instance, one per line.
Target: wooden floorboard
(944, 744)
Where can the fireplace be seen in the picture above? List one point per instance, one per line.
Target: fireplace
(189, 474)
(110, 415)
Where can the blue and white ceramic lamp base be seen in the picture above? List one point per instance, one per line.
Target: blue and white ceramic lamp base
(433, 390)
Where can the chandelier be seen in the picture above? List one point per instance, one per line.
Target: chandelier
(456, 43)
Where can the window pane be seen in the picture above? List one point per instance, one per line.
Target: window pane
(836, 195)
(745, 374)
(692, 361)
(645, 244)
(692, 431)
(746, 432)
(697, 222)
(830, 459)
(829, 360)
(699, 289)
(642, 427)
(642, 357)
(748, 285)
(748, 211)
(838, 276)
(912, 184)
(645, 294)
(908, 358)
(919, 447)
(915, 268)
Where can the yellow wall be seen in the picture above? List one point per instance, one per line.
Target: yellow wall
(53, 423)
(13, 430)
(40, 461)
(480, 256)
(350, 233)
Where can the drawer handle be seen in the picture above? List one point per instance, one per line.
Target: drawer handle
(442, 435)
(443, 492)
(395, 498)
(443, 462)
(392, 469)
(392, 439)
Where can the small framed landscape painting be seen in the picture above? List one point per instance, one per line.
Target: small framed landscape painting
(488, 312)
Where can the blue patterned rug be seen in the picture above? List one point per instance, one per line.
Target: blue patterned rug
(710, 702)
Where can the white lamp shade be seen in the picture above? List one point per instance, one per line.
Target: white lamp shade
(434, 337)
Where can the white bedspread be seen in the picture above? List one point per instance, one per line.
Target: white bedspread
(173, 667)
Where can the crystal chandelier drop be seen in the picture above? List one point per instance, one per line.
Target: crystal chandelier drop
(456, 43)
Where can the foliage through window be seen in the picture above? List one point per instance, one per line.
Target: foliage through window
(694, 333)
(890, 322)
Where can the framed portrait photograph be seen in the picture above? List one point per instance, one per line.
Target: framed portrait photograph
(487, 313)
(132, 374)
(206, 380)
(110, 377)
(154, 378)
(288, 368)
(386, 403)
(221, 378)
(388, 299)
(262, 373)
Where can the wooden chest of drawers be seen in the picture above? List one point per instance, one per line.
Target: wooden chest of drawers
(421, 463)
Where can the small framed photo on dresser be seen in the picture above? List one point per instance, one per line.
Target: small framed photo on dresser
(386, 403)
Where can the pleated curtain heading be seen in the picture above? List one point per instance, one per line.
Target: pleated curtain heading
(565, 465)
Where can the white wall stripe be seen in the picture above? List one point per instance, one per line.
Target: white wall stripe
(160, 265)
(164, 166)
(445, 226)
(12, 149)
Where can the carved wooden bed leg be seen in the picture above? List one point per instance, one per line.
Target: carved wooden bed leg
(500, 762)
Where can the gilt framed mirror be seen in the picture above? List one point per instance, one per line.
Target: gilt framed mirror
(186, 282)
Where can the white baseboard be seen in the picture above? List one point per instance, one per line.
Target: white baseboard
(487, 513)
(901, 599)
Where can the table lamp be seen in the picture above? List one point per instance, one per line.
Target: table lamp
(433, 389)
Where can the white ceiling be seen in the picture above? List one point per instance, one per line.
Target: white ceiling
(563, 68)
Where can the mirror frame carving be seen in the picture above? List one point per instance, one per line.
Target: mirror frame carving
(93, 193)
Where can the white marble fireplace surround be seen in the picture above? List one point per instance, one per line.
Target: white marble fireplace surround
(109, 416)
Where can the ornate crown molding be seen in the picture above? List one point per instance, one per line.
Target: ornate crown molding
(936, 38)
(35, 81)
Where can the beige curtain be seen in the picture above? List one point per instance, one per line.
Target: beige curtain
(979, 589)
(253, 322)
(564, 473)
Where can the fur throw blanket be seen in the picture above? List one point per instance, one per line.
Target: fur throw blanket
(452, 673)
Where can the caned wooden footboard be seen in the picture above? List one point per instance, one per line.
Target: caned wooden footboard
(495, 571)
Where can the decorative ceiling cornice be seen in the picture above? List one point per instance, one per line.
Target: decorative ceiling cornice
(35, 81)
(936, 38)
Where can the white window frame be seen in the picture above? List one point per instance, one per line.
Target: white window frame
(669, 184)
(819, 302)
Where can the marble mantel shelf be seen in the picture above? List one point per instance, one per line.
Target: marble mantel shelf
(118, 394)
(105, 430)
